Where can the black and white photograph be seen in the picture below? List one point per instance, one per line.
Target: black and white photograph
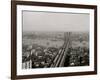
(52, 39)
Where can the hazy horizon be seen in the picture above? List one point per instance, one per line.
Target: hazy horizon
(50, 21)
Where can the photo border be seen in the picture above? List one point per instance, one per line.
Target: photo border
(14, 38)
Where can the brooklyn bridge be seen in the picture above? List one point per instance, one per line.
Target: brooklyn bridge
(53, 57)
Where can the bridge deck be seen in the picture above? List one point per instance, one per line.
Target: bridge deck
(60, 57)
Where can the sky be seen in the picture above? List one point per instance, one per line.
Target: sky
(51, 21)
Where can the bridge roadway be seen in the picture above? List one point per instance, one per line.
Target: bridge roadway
(60, 57)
